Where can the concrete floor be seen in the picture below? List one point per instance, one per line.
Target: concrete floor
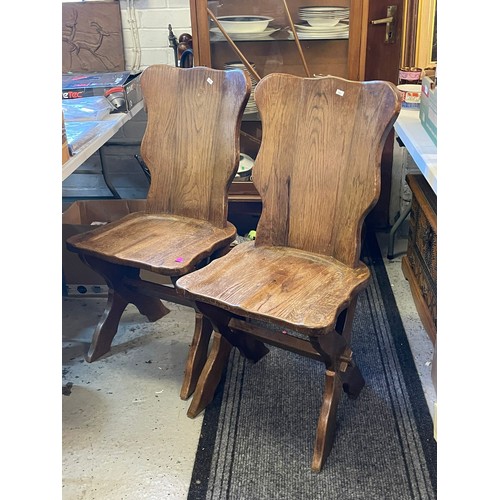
(125, 433)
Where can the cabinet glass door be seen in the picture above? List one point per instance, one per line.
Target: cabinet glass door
(259, 39)
(262, 32)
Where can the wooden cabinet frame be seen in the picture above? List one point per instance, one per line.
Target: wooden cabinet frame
(356, 43)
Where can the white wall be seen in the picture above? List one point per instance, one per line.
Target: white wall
(151, 18)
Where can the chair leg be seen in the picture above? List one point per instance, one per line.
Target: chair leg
(106, 329)
(197, 355)
(250, 348)
(223, 341)
(118, 298)
(352, 380)
(210, 375)
(341, 374)
(327, 420)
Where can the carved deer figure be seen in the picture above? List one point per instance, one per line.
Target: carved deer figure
(79, 44)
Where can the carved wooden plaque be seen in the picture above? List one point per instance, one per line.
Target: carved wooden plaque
(92, 37)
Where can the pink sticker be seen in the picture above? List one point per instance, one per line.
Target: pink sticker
(179, 259)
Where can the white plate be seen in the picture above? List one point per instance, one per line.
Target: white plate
(322, 29)
(307, 36)
(323, 9)
(244, 36)
(320, 36)
(236, 64)
(320, 22)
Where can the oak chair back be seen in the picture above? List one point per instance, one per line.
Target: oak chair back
(191, 142)
(318, 169)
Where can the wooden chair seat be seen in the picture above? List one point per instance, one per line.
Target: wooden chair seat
(191, 150)
(162, 243)
(299, 290)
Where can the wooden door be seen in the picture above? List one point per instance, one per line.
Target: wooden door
(383, 56)
(382, 62)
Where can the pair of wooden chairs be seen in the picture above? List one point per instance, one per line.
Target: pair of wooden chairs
(318, 174)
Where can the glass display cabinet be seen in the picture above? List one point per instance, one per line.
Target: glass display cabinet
(301, 37)
(329, 32)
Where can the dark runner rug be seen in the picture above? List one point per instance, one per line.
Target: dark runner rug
(258, 434)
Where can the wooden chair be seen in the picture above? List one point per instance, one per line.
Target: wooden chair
(318, 173)
(191, 148)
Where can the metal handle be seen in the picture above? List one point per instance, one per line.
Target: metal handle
(390, 23)
(382, 21)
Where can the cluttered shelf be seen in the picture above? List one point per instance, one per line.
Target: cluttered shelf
(99, 133)
(95, 106)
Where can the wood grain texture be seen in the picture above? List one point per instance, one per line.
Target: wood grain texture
(162, 243)
(318, 174)
(295, 289)
(318, 171)
(191, 142)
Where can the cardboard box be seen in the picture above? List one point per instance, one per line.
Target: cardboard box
(428, 108)
(81, 217)
(122, 89)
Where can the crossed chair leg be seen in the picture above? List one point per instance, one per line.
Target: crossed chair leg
(146, 297)
(332, 349)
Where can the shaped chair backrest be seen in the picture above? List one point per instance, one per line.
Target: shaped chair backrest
(318, 169)
(191, 142)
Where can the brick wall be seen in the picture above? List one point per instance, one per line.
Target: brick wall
(152, 18)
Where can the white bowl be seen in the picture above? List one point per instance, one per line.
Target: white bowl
(244, 24)
(320, 22)
(245, 167)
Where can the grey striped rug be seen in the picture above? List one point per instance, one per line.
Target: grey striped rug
(258, 434)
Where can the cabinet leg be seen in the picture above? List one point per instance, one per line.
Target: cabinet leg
(392, 234)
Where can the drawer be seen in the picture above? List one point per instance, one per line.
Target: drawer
(427, 288)
(424, 238)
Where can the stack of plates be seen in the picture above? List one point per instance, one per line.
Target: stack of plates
(323, 16)
(323, 23)
(216, 35)
(251, 105)
(306, 32)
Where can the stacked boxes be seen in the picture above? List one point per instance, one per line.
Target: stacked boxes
(122, 89)
(428, 107)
